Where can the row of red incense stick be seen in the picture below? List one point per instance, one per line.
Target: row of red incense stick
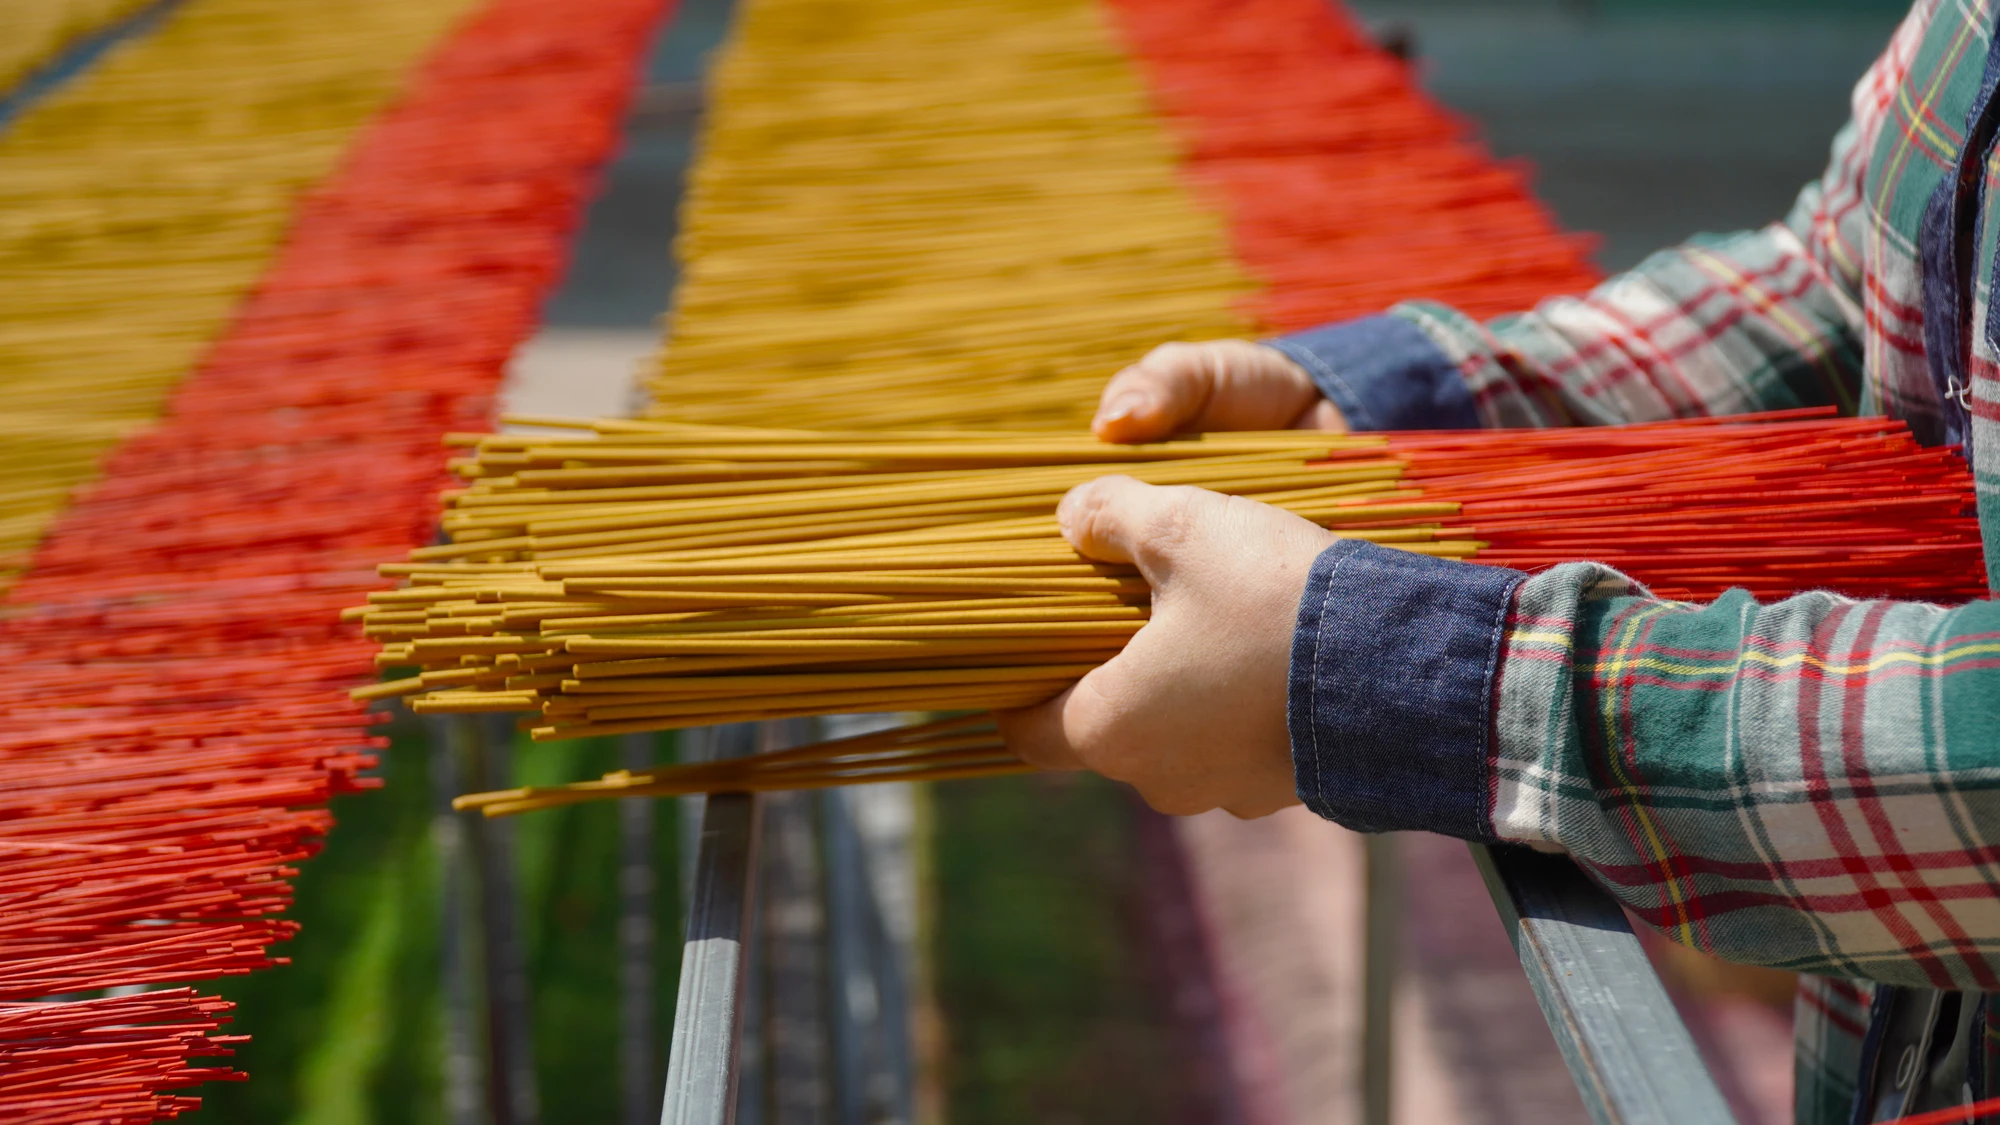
(172, 721)
(1815, 502)
(1344, 187)
(116, 1058)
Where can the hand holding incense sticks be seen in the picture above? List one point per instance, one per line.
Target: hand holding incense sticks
(739, 579)
(1192, 713)
(654, 575)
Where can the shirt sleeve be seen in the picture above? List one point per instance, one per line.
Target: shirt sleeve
(1811, 784)
(1761, 320)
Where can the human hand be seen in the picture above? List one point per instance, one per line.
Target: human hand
(1216, 385)
(1192, 712)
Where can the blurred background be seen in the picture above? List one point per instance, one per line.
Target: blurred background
(1649, 120)
(1058, 976)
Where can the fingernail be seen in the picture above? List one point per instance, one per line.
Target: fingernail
(1123, 406)
(1066, 509)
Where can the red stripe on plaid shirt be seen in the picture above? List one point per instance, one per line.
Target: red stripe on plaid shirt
(1635, 875)
(1684, 313)
(1719, 903)
(1812, 766)
(1721, 678)
(1839, 1019)
(1775, 646)
(1668, 857)
(1651, 361)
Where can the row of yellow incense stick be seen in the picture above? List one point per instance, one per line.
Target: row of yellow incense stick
(140, 204)
(660, 576)
(909, 212)
(34, 32)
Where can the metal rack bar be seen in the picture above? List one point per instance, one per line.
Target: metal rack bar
(794, 999)
(83, 52)
(1382, 911)
(1632, 1058)
(705, 1055)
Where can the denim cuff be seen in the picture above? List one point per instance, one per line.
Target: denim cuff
(1391, 694)
(1383, 373)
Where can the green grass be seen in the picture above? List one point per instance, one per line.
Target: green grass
(351, 1031)
(363, 1009)
(347, 1032)
(569, 883)
(1035, 918)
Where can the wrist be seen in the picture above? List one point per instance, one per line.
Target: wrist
(1383, 373)
(1391, 686)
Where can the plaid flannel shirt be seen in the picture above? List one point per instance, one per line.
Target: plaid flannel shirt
(1812, 784)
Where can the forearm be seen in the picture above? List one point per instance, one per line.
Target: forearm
(1715, 327)
(1812, 784)
(1728, 326)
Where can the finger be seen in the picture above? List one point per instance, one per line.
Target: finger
(1071, 731)
(1153, 398)
(1257, 810)
(1251, 387)
(1118, 519)
(1036, 734)
(1123, 721)
(1321, 415)
(1101, 724)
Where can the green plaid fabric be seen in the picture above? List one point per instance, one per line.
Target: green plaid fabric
(1812, 784)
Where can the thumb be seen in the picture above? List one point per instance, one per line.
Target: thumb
(1154, 397)
(1119, 519)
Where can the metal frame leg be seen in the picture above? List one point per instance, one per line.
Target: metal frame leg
(1382, 915)
(1627, 1049)
(703, 1061)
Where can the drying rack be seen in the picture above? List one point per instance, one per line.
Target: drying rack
(1631, 1056)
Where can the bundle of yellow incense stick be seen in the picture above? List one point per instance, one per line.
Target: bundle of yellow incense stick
(655, 576)
(950, 749)
(648, 576)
